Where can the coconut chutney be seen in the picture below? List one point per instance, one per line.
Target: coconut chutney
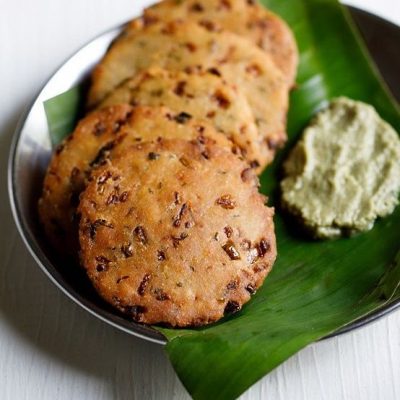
(344, 172)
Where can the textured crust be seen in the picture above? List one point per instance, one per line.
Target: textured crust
(163, 245)
(203, 95)
(244, 17)
(67, 173)
(90, 144)
(188, 46)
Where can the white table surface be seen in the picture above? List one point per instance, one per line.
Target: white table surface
(52, 349)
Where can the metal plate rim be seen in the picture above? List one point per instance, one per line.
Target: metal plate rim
(46, 266)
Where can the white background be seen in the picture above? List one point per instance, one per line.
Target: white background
(50, 348)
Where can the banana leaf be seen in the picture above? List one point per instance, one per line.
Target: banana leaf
(63, 111)
(316, 287)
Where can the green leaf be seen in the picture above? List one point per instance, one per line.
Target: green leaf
(315, 287)
(62, 112)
